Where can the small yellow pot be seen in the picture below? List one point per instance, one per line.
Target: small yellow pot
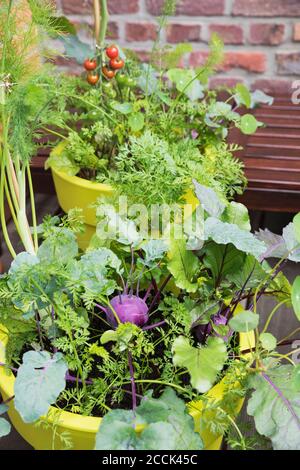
(73, 191)
(82, 429)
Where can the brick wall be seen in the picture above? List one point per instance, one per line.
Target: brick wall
(262, 37)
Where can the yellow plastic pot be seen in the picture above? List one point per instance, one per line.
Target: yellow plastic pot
(82, 429)
(73, 191)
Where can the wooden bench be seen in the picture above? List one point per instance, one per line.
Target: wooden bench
(272, 158)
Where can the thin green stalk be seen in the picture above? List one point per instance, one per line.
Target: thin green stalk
(11, 207)
(272, 314)
(2, 214)
(166, 384)
(103, 24)
(33, 211)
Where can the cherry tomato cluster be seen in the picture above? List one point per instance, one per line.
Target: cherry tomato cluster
(115, 62)
(90, 66)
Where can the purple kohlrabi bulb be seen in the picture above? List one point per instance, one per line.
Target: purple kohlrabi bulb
(129, 308)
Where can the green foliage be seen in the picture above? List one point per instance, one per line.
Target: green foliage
(40, 380)
(183, 265)
(166, 425)
(203, 363)
(244, 321)
(296, 297)
(275, 407)
(5, 426)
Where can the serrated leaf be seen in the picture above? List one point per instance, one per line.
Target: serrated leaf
(276, 247)
(209, 199)
(275, 407)
(109, 335)
(60, 161)
(154, 250)
(296, 297)
(203, 363)
(40, 380)
(292, 244)
(61, 246)
(224, 233)
(244, 322)
(183, 265)
(268, 341)
(249, 124)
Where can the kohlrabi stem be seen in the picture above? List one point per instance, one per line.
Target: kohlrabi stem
(133, 389)
(154, 325)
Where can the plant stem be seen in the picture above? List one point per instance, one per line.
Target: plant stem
(272, 315)
(155, 325)
(160, 291)
(103, 24)
(33, 211)
(133, 388)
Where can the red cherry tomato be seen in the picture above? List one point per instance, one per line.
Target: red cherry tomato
(92, 79)
(108, 73)
(90, 64)
(116, 64)
(112, 52)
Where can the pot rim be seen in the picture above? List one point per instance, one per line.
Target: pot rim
(83, 183)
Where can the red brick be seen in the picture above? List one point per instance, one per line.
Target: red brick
(250, 61)
(183, 32)
(140, 31)
(273, 86)
(267, 33)
(228, 82)
(288, 63)
(85, 7)
(266, 8)
(189, 7)
(113, 30)
(296, 32)
(230, 33)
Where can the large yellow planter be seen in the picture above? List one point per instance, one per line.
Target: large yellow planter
(83, 429)
(73, 191)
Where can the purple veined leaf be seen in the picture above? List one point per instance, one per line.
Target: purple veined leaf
(276, 246)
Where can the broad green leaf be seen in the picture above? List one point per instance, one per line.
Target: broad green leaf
(3, 408)
(60, 161)
(223, 261)
(61, 246)
(117, 431)
(108, 335)
(74, 48)
(123, 108)
(183, 265)
(224, 233)
(236, 213)
(136, 121)
(245, 321)
(209, 200)
(249, 124)
(292, 244)
(250, 274)
(296, 297)
(268, 341)
(296, 378)
(21, 261)
(203, 363)
(243, 95)
(186, 82)
(275, 407)
(5, 427)
(40, 380)
(114, 227)
(154, 250)
(167, 426)
(296, 222)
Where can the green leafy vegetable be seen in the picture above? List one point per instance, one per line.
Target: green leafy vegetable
(245, 321)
